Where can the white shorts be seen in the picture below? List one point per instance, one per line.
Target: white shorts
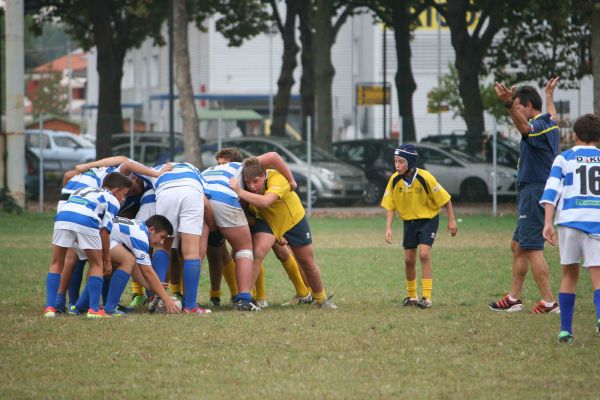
(227, 216)
(79, 242)
(184, 208)
(575, 245)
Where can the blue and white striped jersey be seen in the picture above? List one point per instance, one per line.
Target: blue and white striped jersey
(132, 234)
(91, 178)
(87, 211)
(182, 174)
(217, 182)
(574, 188)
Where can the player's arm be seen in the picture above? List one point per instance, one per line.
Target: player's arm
(276, 161)
(105, 239)
(452, 227)
(389, 219)
(134, 167)
(549, 90)
(258, 200)
(156, 286)
(104, 162)
(548, 232)
(68, 175)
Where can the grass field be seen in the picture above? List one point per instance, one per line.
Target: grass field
(371, 347)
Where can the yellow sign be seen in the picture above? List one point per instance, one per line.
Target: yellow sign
(369, 95)
(428, 20)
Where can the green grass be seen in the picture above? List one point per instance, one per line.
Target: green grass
(371, 347)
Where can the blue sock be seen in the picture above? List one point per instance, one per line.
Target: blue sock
(94, 285)
(245, 297)
(105, 288)
(160, 263)
(597, 303)
(52, 283)
(75, 284)
(191, 278)
(117, 286)
(83, 303)
(567, 306)
(60, 302)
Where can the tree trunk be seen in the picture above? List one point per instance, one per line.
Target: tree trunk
(110, 71)
(405, 81)
(596, 56)
(183, 80)
(286, 77)
(307, 81)
(324, 72)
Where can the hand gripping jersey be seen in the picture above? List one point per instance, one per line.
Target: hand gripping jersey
(134, 235)
(87, 211)
(217, 181)
(574, 188)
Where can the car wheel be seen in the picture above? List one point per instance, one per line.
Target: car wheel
(473, 189)
(373, 193)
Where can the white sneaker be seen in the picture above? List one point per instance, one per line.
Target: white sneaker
(327, 304)
(297, 300)
(262, 303)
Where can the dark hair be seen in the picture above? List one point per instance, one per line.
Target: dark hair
(116, 180)
(252, 168)
(231, 153)
(587, 128)
(529, 94)
(160, 223)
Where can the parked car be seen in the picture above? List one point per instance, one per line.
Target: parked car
(375, 157)
(148, 147)
(507, 151)
(463, 175)
(332, 180)
(61, 150)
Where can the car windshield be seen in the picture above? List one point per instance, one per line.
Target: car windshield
(299, 150)
(460, 155)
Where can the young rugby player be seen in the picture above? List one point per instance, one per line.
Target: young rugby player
(572, 190)
(417, 197)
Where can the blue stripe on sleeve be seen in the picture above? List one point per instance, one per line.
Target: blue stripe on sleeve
(549, 195)
(556, 172)
(112, 209)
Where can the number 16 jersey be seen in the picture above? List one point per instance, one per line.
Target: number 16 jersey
(574, 188)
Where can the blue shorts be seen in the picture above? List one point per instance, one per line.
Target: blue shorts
(530, 224)
(299, 235)
(420, 231)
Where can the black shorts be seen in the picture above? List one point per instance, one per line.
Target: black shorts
(299, 235)
(420, 231)
(215, 238)
(530, 223)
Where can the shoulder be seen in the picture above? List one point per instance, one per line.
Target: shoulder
(428, 176)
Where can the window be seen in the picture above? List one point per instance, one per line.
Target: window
(128, 81)
(63, 141)
(33, 140)
(154, 71)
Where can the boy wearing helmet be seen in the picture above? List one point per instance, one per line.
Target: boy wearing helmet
(417, 197)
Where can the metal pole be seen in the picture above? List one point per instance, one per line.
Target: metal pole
(271, 80)
(439, 67)
(219, 133)
(309, 162)
(41, 164)
(171, 91)
(495, 170)
(69, 80)
(384, 81)
(400, 134)
(131, 147)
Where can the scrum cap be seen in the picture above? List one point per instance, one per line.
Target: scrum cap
(409, 153)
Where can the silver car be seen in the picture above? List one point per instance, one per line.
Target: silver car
(332, 180)
(463, 175)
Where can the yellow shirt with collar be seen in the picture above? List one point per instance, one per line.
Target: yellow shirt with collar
(420, 199)
(286, 211)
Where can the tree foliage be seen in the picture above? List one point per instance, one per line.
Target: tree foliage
(49, 97)
(544, 38)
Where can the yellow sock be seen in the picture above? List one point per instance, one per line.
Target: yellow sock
(229, 275)
(320, 297)
(215, 293)
(427, 285)
(261, 292)
(293, 272)
(137, 289)
(411, 287)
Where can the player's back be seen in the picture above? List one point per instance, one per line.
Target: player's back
(87, 210)
(132, 234)
(91, 178)
(182, 174)
(217, 182)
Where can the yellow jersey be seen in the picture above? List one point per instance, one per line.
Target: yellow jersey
(422, 198)
(286, 211)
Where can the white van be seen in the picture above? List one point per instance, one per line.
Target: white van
(61, 150)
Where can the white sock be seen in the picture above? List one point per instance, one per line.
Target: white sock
(511, 298)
